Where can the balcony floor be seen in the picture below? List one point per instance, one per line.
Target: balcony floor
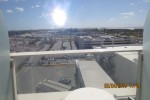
(62, 95)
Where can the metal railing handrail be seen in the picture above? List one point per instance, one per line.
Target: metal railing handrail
(112, 49)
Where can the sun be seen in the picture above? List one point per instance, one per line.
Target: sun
(59, 16)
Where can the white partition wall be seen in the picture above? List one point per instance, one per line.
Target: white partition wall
(146, 62)
(5, 73)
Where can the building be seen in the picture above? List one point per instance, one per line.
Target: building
(90, 74)
(86, 42)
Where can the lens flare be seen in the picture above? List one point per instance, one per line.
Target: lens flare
(59, 16)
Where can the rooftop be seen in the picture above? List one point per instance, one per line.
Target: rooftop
(92, 74)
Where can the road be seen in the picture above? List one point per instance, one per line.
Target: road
(73, 45)
(67, 45)
(57, 46)
(34, 59)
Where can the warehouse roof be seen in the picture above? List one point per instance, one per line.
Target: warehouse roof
(93, 75)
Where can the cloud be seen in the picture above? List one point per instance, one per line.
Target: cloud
(3, 0)
(19, 0)
(32, 7)
(45, 15)
(132, 4)
(112, 19)
(146, 1)
(141, 10)
(19, 9)
(128, 14)
(125, 16)
(10, 11)
(36, 6)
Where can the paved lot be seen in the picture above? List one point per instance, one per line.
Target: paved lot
(29, 77)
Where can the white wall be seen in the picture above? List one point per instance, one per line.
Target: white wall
(125, 67)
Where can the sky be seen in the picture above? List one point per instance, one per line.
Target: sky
(38, 14)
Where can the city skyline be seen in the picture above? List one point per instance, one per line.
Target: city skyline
(37, 14)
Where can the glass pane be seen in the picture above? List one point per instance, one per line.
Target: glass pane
(65, 73)
(5, 73)
(146, 67)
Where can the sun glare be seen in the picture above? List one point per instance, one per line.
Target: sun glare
(59, 16)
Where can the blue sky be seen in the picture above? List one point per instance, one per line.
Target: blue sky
(36, 14)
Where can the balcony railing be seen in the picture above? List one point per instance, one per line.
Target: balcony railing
(86, 51)
(116, 49)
